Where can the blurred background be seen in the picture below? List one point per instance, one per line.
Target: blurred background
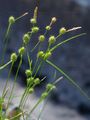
(73, 57)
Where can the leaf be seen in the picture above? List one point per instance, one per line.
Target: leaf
(69, 78)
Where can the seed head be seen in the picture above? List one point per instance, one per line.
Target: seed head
(21, 50)
(35, 29)
(50, 87)
(13, 57)
(47, 55)
(62, 31)
(26, 38)
(41, 38)
(31, 90)
(40, 54)
(37, 81)
(28, 72)
(11, 20)
(48, 28)
(52, 40)
(44, 95)
(30, 80)
(33, 21)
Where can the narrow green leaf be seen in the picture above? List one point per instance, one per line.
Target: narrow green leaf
(70, 79)
(67, 40)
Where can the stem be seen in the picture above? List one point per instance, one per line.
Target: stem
(29, 61)
(14, 81)
(7, 80)
(5, 65)
(18, 115)
(39, 101)
(7, 32)
(35, 46)
(26, 97)
(70, 79)
(38, 68)
(22, 98)
(6, 42)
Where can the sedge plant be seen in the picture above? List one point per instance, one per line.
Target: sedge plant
(42, 57)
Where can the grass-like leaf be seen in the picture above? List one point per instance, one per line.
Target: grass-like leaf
(69, 78)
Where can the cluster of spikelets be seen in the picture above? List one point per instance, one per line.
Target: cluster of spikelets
(32, 80)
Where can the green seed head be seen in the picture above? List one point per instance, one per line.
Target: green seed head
(41, 38)
(33, 21)
(44, 95)
(31, 90)
(13, 57)
(26, 38)
(30, 80)
(35, 29)
(37, 81)
(47, 55)
(21, 50)
(50, 87)
(28, 72)
(48, 28)
(11, 20)
(40, 54)
(52, 40)
(62, 30)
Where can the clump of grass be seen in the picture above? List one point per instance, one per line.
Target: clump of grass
(31, 72)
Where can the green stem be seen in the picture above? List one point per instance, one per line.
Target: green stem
(29, 61)
(6, 42)
(22, 98)
(70, 79)
(18, 115)
(26, 96)
(7, 32)
(38, 68)
(7, 80)
(5, 65)
(35, 46)
(14, 81)
(39, 101)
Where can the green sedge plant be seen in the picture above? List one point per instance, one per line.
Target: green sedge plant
(31, 73)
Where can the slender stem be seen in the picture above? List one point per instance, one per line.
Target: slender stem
(29, 61)
(70, 79)
(7, 32)
(35, 46)
(39, 101)
(26, 97)
(6, 42)
(5, 65)
(14, 81)
(38, 68)
(35, 65)
(22, 98)
(18, 115)
(7, 80)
